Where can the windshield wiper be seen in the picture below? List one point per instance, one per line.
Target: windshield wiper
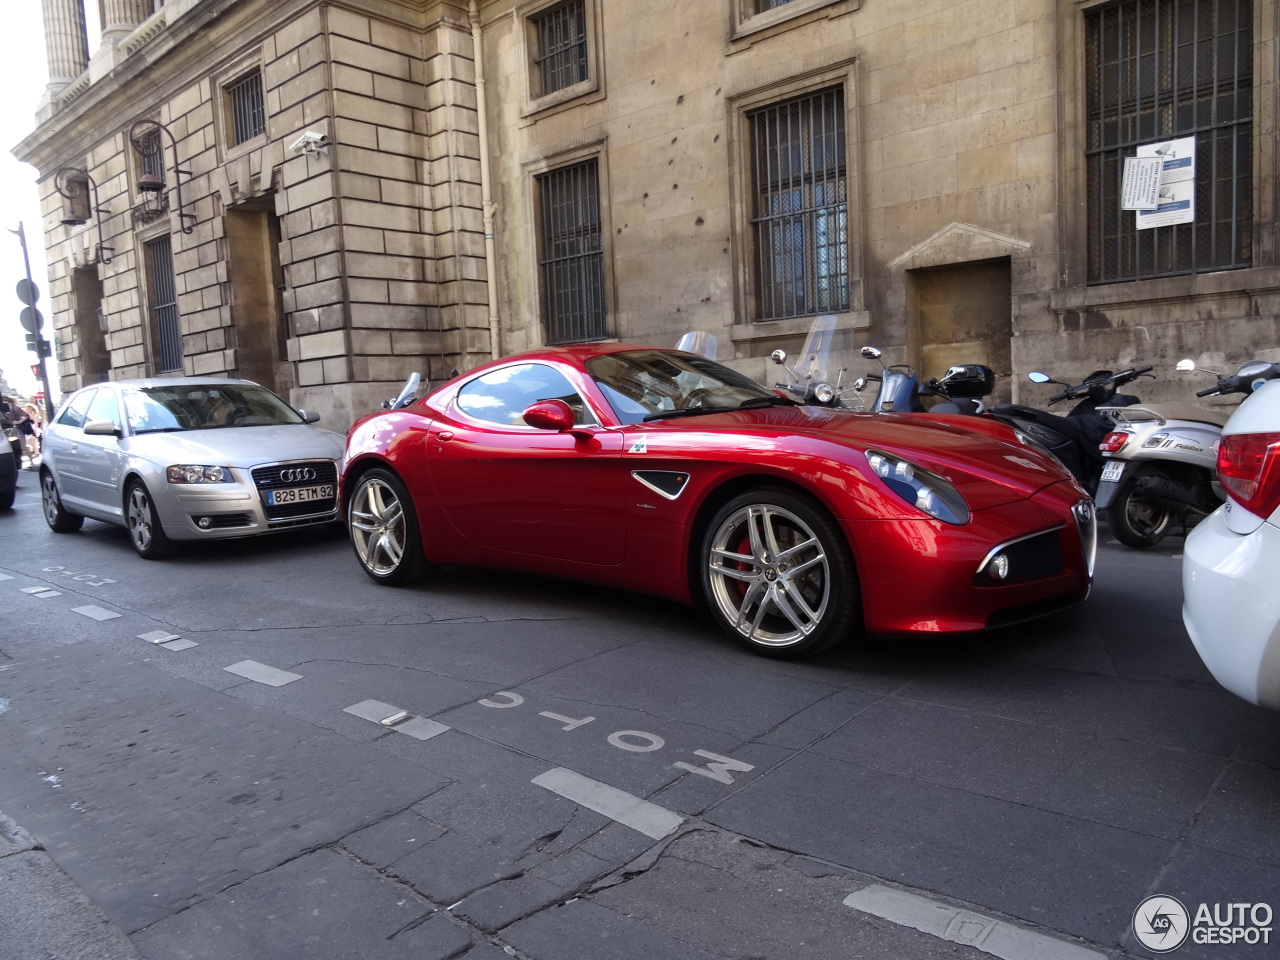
(770, 401)
(750, 404)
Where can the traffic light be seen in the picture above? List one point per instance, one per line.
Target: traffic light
(39, 346)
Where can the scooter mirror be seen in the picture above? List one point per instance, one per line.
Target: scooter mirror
(860, 384)
(1035, 376)
(778, 356)
(871, 353)
(1187, 364)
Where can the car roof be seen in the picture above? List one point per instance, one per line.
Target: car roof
(148, 382)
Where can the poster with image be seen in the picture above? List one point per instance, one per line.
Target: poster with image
(1176, 197)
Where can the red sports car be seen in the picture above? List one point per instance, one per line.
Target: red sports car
(663, 471)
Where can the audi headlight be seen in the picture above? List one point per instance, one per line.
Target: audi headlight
(919, 487)
(196, 473)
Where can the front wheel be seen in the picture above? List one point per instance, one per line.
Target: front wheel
(59, 518)
(145, 530)
(1136, 520)
(778, 574)
(384, 529)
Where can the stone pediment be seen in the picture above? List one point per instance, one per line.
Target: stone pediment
(959, 243)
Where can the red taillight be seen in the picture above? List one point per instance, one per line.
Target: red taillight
(1249, 470)
(1113, 442)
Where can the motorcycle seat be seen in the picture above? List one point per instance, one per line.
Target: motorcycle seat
(1170, 411)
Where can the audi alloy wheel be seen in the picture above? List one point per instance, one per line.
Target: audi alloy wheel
(58, 517)
(145, 530)
(778, 575)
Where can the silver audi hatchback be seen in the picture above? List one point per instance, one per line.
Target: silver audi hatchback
(192, 458)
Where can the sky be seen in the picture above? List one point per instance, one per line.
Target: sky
(24, 72)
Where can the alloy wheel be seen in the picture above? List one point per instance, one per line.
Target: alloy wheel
(378, 526)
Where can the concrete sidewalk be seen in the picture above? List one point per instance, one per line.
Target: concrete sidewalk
(44, 915)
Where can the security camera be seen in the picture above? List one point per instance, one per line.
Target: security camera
(311, 143)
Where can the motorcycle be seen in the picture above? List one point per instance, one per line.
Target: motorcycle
(961, 388)
(1161, 459)
(1074, 438)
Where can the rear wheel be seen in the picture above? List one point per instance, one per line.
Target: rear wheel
(778, 575)
(145, 531)
(384, 529)
(59, 518)
(1136, 520)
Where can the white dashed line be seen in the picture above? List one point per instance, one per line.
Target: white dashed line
(170, 641)
(5, 576)
(261, 673)
(640, 815)
(420, 728)
(95, 613)
(987, 934)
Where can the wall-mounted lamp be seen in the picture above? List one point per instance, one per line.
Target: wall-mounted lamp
(151, 185)
(77, 186)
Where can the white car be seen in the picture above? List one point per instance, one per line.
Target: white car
(187, 458)
(1231, 604)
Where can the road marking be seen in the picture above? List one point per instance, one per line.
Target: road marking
(95, 613)
(42, 592)
(945, 922)
(261, 673)
(420, 728)
(170, 641)
(5, 576)
(640, 815)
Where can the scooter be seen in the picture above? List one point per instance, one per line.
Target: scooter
(809, 382)
(1073, 439)
(961, 388)
(1161, 460)
(408, 393)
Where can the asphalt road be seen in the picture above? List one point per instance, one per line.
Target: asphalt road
(594, 774)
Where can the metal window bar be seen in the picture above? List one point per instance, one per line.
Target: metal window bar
(562, 46)
(164, 305)
(801, 216)
(248, 116)
(152, 155)
(1164, 69)
(572, 254)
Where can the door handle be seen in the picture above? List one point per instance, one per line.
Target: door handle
(445, 435)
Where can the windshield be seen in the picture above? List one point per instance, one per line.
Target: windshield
(204, 406)
(649, 383)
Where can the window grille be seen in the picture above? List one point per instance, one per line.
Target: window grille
(164, 305)
(248, 116)
(762, 5)
(801, 216)
(562, 46)
(151, 153)
(1158, 70)
(572, 256)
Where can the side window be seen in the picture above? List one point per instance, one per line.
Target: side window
(104, 407)
(502, 396)
(74, 414)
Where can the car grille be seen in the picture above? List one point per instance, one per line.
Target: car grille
(297, 514)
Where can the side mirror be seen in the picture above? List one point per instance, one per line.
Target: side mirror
(549, 415)
(101, 428)
(860, 384)
(1187, 364)
(1035, 376)
(309, 416)
(870, 353)
(778, 356)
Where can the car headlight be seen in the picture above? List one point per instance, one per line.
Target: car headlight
(196, 473)
(919, 487)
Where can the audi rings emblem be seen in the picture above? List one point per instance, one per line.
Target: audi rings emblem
(297, 474)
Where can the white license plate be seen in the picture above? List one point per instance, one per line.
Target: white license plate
(1113, 471)
(299, 494)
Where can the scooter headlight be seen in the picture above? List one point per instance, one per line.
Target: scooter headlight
(924, 490)
(824, 392)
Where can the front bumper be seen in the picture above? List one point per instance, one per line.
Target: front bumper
(1231, 608)
(240, 509)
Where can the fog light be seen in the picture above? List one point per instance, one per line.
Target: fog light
(204, 523)
(998, 568)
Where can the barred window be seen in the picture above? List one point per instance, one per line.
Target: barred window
(248, 116)
(762, 5)
(1158, 70)
(164, 305)
(572, 255)
(801, 215)
(562, 46)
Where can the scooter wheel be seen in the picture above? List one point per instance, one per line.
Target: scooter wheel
(1137, 521)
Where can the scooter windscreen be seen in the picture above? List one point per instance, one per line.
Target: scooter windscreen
(815, 360)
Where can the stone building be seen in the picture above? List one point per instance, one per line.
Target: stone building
(353, 189)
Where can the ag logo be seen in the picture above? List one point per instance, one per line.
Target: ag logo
(1161, 924)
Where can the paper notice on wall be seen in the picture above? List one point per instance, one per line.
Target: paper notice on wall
(1177, 194)
(1141, 187)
